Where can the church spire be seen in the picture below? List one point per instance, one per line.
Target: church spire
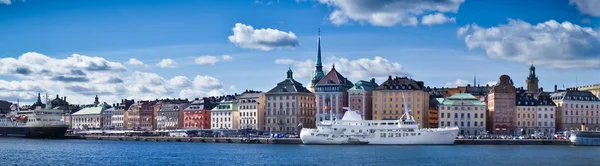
(319, 65)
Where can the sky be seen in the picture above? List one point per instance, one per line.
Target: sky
(189, 49)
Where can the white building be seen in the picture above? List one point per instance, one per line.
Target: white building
(464, 111)
(88, 118)
(107, 118)
(118, 118)
(535, 115)
(576, 108)
(251, 109)
(225, 115)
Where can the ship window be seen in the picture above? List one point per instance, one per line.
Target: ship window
(352, 131)
(419, 133)
(382, 135)
(390, 135)
(397, 134)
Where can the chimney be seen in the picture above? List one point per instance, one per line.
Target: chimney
(555, 88)
(372, 80)
(390, 77)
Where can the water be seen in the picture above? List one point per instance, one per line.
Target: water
(15, 151)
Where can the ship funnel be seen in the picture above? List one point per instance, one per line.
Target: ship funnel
(583, 127)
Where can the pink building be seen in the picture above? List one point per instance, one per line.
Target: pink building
(501, 107)
(331, 93)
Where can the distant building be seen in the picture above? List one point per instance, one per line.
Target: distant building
(594, 89)
(388, 103)
(88, 118)
(5, 107)
(145, 115)
(331, 94)
(501, 107)
(197, 115)
(118, 117)
(225, 115)
(464, 111)
(169, 116)
(133, 116)
(576, 108)
(251, 106)
(360, 97)
(534, 115)
(107, 118)
(290, 106)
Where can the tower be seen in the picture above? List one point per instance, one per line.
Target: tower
(532, 80)
(319, 67)
(96, 102)
(290, 74)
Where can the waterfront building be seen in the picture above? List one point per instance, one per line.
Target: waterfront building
(168, 116)
(331, 94)
(501, 107)
(289, 106)
(576, 108)
(360, 98)
(89, 118)
(66, 118)
(535, 115)
(318, 67)
(197, 115)
(133, 116)
(388, 103)
(464, 111)
(594, 89)
(432, 114)
(107, 118)
(532, 81)
(118, 117)
(146, 116)
(251, 106)
(225, 115)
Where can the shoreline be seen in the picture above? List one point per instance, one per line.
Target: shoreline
(298, 141)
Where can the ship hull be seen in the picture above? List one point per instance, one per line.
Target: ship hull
(441, 137)
(53, 132)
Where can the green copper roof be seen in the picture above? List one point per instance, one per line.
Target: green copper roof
(460, 97)
(365, 85)
(230, 105)
(90, 111)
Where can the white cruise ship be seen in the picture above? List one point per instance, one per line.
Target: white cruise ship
(352, 129)
(36, 123)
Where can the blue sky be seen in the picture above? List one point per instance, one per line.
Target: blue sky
(363, 38)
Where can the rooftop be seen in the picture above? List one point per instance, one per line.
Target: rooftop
(401, 83)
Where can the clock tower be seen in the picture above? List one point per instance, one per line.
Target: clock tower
(532, 81)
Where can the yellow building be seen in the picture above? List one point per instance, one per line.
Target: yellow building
(595, 89)
(388, 103)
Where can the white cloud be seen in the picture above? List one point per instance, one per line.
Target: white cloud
(590, 7)
(180, 82)
(80, 78)
(135, 62)
(363, 69)
(227, 57)
(206, 59)
(207, 82)
(246, 36)
(586, 21)
(194, 93)
(6, 2)
(386, 13)
(167, 63)
(284, 61)
(437, 18)
(552, 44)
(232, 87)
(457, 83)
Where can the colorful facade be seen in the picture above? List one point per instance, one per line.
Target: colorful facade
(331, 93)
(197, 115)
(225, 115)
(535, 114)
(289, 106)
(464, 111)
(145, 115)
(360, 97)
(576, 108)
(251, 106)
(133, 117)
(388, 103)
(501, 107)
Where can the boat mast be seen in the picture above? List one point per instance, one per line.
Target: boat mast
(407, 110)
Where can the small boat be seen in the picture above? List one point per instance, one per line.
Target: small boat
(250, 140)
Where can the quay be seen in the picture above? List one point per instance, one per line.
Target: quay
(298, 141)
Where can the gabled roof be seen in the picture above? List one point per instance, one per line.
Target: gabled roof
(334, 78)
(401, 83)
(365, 85)
(90, 111)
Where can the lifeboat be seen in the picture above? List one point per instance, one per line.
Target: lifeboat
(21, 118)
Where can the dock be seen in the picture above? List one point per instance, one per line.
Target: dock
(298, 141)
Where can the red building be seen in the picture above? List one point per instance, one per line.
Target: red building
(197, 115)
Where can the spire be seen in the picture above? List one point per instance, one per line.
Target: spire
(39, 100)
(96, 102)
(319, 63)
(333, 66)
(290, 73)
(475, 80)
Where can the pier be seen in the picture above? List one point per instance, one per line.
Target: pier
(298, 141)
